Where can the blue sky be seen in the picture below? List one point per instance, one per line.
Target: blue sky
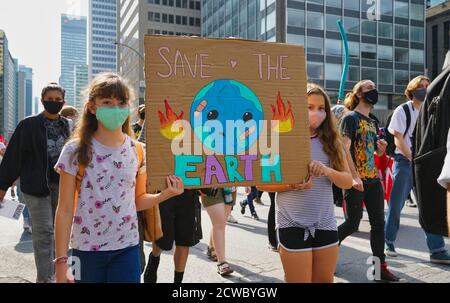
(33, 30)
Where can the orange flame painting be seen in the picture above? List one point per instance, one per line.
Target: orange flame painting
(283, 120)
(167, 122)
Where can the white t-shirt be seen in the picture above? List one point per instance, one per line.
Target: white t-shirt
(2, 146)
(444, 178)
(398, 123)
(105, 217)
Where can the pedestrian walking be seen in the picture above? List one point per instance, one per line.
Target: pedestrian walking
(361, 140)
(31, 154)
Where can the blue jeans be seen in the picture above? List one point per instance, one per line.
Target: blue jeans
(26, 212)
(252, 195)
(119, 266)
(402, 186)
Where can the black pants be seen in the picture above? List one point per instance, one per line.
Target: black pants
(271, 232)
(271, 222)
(373, 197)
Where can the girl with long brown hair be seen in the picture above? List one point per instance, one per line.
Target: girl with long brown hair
(103, 170)
(306, 222)
(360, 132)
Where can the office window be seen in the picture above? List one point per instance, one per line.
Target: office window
(401, 9)
(191, 21)
(417, 11)
(353, 48)
(401, 55)
(401, 32)
(333, 47)
(447, 35)
(333, 72)
(315, 1)
(315, 45)
(416, 56)
(271, 20)
(164, 18)
(171, 19)
(351, 25)
(368, 51)
(296, 18)
(315, 20)
(184, 20)
(157, 17)
(385, 53)
(368, 28)
(351, 4)
(385, 76)
(178, 19)
(386, 7)
(385, 30)
(417, 34)
(369, 74)
(334, 3)
(295, 39)
(332, 23)
(315, 70)
(401, 77)
(354, 73)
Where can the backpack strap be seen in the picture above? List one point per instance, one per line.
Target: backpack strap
(408, 118)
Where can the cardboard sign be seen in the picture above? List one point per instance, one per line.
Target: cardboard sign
(225, 112)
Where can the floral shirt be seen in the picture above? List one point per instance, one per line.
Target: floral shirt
(105, 216)
(362, 131)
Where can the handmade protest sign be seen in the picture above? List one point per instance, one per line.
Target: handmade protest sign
(225, 112)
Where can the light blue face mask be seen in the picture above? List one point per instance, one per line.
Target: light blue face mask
(112, 117)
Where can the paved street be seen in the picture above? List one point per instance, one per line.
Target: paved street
(249, 255)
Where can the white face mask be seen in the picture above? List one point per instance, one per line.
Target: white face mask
(316, 118)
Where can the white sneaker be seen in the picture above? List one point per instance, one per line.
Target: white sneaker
(231, 219)
(27, 225)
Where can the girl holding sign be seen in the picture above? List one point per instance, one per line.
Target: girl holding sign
(103, 171)
(306, 223)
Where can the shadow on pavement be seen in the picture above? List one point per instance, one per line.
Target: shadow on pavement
(25, 244)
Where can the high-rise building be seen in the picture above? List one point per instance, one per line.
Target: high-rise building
(438, 37)
(81, 80)
(36, 105)
(21, 95)
(8, 89)
(386, 38)
(73, 51)
(102, 36)
(431, 3)
(28, 71)
(137, 18)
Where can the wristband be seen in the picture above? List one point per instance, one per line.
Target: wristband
(61, 260)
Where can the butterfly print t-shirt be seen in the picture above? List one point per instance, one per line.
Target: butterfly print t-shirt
(105, 216)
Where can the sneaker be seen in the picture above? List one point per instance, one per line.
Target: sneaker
(243, 205)
(255, 216)
(231, 219)
(273, 248)
(440, 258)
(27, 226)
(390, 250)
(410, 203)
(386, 275)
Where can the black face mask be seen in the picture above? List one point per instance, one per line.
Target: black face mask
(142, 116)
(53, 107)
(371, 96)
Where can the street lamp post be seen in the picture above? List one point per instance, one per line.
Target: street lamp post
(131, 48)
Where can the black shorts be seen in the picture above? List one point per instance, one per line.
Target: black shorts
(292, 239)
(179, 217)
